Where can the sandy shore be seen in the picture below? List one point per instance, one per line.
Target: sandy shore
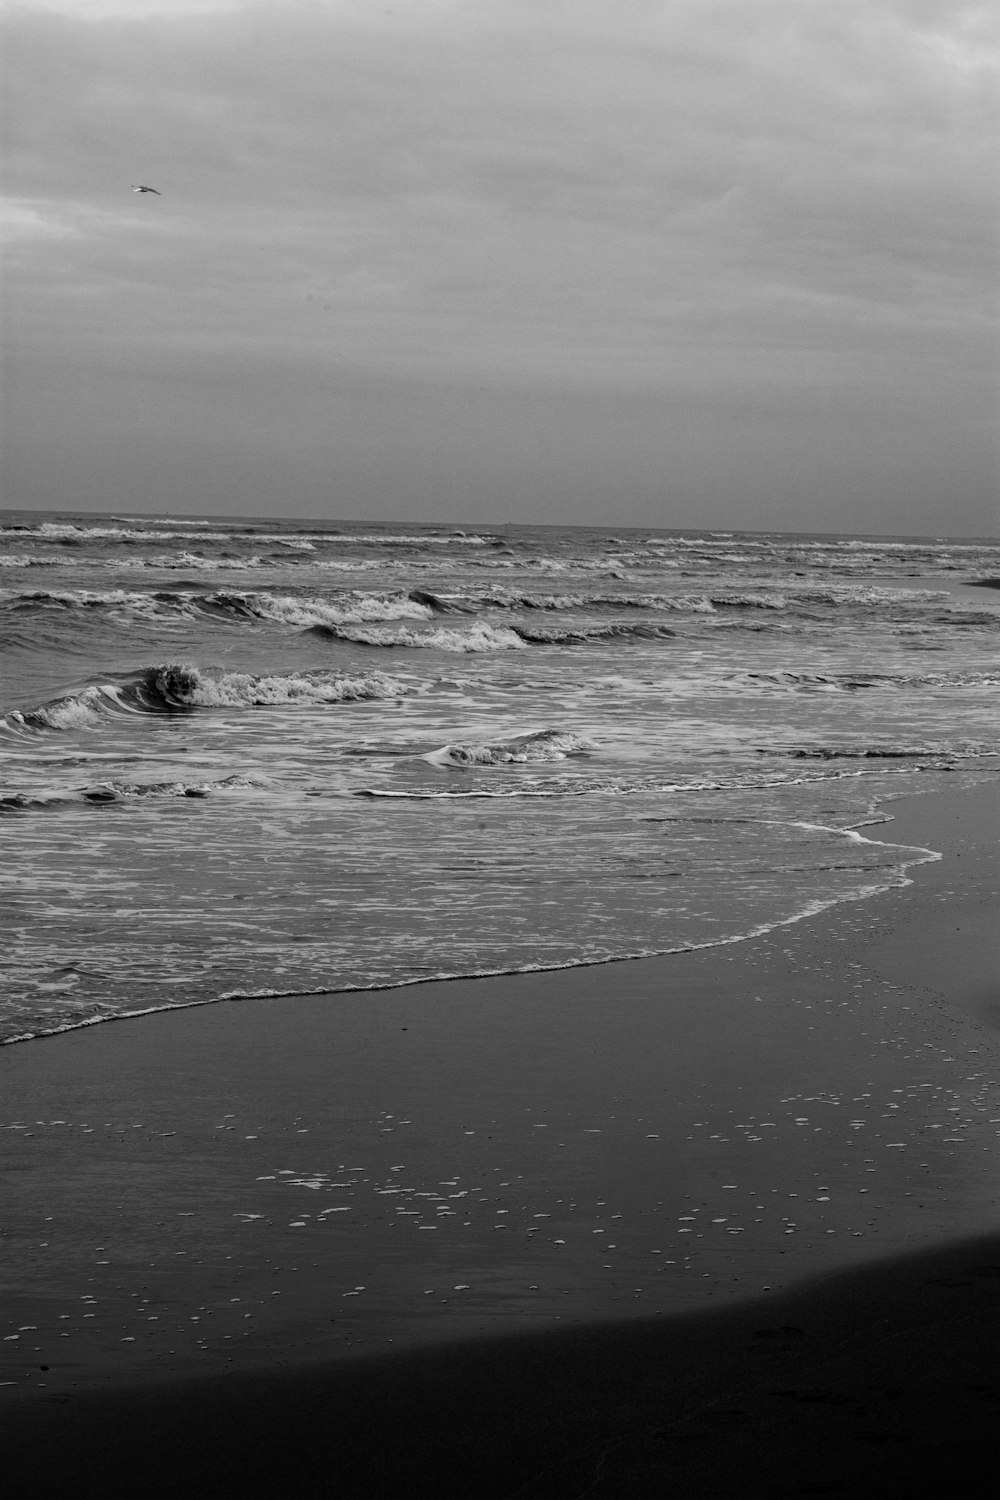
(660, 1226)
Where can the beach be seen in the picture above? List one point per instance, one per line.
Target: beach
(711, 1223)
(499, 753)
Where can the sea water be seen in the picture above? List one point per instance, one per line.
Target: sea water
(245, 757)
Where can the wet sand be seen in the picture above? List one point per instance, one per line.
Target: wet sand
(544, 1235)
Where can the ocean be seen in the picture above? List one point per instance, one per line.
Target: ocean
(247, 757)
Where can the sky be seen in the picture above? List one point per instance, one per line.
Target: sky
(637, 262)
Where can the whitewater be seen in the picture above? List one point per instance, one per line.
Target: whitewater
(249, 757)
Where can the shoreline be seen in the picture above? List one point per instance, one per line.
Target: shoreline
(592, 1156)
(814, 909)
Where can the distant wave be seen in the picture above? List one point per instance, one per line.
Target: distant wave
(957, 617)
(604, 567)
(568, 635)
(348, 609)
(838, 595)
(482, 636)
(708, 602)
(68, 531)
(478, 637)
(345, 610)
(89, 600)
(293, 543)
(161, 562)
(194, 562)
(351, 607)
(845, 682)
(516, 599)
(389, 539)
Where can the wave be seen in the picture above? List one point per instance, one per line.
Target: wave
(515, 599)
(358, 608)
(117, 791)
(545, 745)
(293, 543)
(86, 709)
(112, 791)
(541, 635)
(876, 546)
(836, 596)
(712, 601)
(70, 532)
(194, 562)
(479, 637)
(556, 787)
(437, 605)
(859, 681)
(936, 752)
(485, 637)
(389, 539)
(157, 521)
(188, 687)
(351, 607)
(707, 602)
(177, 687)
(739, 600)
(605, 567)
(90, 600)
(961, 617)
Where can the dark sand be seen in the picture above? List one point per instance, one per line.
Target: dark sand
(714, 1224)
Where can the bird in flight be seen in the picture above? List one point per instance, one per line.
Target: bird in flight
(137, 187)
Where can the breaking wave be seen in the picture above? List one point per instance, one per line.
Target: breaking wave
(350, 609)
(568, 635)
(516, 599)
(178, 687)
(546, 745)
(479, 637)
(284, 609)
(188, 687)
(482, 636)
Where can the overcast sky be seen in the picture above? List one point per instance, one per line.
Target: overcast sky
(670, 262)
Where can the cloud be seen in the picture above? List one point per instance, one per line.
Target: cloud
(750, 202)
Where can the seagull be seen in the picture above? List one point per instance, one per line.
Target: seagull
(137, 187)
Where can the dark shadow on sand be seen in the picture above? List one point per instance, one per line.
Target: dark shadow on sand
(879, 1382)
